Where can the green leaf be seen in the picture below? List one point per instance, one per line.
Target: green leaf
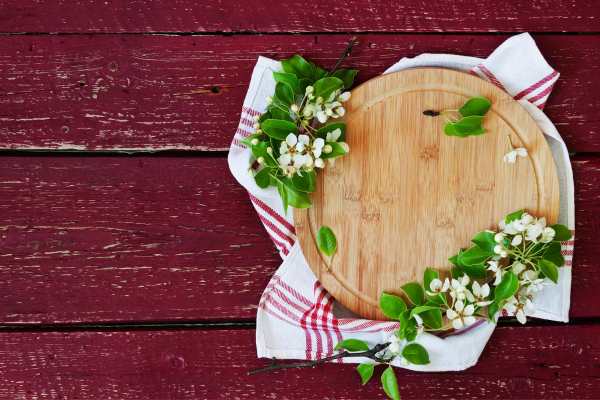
(337, 151)
(562, 233)
(392, 306)
(366, 372)
(408, 327)
(284, 95)
(493, 309)
(298, 66)
(288, 79)
(352, 345)
(553, 254)
(485, 240)
(278, 129)
(326, 241)
(466, 126)
(281, 188)
(432, 318)
(421, 309)
(322, 131)
(475, 106)
(347, 76)
(473, 256)
(477, 271)
(260, 150)
(390, 384)
(415, 354)
(414, 292)
(262, 178)
(513, 216)
(295, 198)
(307, 182)
(507, 287)
(549, 269)
(325, 86)
(429, 275)
(318, 72)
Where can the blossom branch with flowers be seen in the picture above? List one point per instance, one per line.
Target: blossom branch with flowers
(499, 274)
(298, 132)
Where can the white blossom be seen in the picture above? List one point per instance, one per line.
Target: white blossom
(480, 293)
(547, 235)
(461, 315)
(511, 156)
(517, 240)
(437, 286)
(458, 288)
(519, 308)
(518, 267)
(495, 268)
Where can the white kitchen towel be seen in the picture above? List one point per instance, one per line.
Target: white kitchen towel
(297, 318)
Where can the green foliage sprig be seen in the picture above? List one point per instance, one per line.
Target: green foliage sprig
(296, 135)
(500, 272)
(467, 120)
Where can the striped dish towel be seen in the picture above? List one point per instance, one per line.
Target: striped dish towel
(298, 319)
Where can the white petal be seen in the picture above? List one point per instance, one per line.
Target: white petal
(510, 157)
(334, 135)
(517, 240)
(446, 285)
(485, 291)
(469, 310)
(457, 323)
(299, 160)
(284, 159)
(499, 237)
(521, 317)
(319, 163)
(322, 117)
(451, 314)
(304, 139)
(291, 139)
(459, 306)
(521, 152)
(470, 320)
(283, 148)
(318, 143)
(340, 111)
(435, 285)
(476, 288)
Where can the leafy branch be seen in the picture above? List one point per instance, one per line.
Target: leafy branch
(370, 353)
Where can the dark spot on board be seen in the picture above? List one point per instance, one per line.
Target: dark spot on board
(215, 90)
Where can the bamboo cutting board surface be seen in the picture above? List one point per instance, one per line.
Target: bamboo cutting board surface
(407, 196)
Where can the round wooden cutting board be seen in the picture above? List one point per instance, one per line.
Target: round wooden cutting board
(407, 196)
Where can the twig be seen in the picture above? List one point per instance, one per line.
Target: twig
(353, 42)
(371, 353)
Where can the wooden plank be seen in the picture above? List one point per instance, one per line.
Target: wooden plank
(163, 92)
(100, 239)
(296, 16)
(550, 362)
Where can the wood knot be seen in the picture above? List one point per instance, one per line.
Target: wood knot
(430, 152)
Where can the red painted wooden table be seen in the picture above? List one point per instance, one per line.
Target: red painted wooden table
(131, 263)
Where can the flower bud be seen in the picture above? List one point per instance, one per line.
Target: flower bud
(319, 163)
(309, 89)
(254, 141)
(295, 108)
(259, 131)
(327, 149)
(256, 118)
(319, 100)
(256, 126)
(270, 150)
(260, 160)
